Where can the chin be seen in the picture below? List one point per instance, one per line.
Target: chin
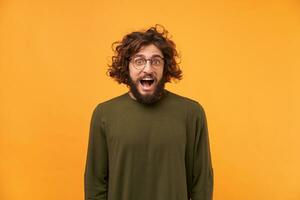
(147, 93)
(147, 97)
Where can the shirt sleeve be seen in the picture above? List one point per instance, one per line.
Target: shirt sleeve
(202, 173)
(96, 168)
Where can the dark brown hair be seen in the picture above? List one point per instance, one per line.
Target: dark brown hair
(133, 42)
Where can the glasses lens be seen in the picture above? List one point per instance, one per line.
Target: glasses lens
(156, 62)
(139, 62)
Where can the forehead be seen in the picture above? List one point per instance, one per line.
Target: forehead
(149, 51)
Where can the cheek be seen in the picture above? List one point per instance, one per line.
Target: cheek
(160, 73)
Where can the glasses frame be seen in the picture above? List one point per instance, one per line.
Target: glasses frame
(149, 59)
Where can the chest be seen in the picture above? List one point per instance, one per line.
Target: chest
(141, 131)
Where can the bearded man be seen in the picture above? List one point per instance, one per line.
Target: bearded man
(148, 143)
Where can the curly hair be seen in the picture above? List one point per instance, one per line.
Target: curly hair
(132, 44)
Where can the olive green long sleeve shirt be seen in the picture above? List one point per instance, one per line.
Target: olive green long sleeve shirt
(148, 152)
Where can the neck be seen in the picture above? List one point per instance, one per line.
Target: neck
(133, 97)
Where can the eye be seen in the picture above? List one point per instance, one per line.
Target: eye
(156, 61)
(139, 61)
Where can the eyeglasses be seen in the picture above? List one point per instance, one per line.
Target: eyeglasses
(141, 62)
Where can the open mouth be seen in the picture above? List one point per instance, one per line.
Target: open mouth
(146, 83)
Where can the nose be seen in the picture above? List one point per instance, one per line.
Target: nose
(147, 67)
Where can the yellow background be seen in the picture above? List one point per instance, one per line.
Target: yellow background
(240, 61)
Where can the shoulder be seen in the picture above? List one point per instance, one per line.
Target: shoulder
(110, 103)
(192, 105)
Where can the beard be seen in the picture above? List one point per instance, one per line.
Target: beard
(151, 98)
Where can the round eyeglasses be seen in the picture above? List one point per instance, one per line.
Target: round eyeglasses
(141, 62)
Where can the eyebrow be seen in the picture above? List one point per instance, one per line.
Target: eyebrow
(153, 56)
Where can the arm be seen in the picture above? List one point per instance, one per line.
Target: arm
(96, 168)
(202, 179)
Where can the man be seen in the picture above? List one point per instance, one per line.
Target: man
(149, 143)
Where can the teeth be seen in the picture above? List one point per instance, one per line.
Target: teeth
(147, 78)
